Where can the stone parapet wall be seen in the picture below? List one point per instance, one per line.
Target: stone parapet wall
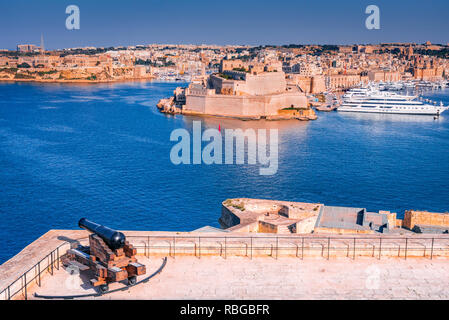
(266, 245)
(342, 231)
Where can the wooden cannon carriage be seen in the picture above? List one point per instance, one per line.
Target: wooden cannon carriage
(108, 255)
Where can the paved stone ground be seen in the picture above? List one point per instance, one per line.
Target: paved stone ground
(267, 278)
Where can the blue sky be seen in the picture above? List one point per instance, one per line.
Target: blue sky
(112, 23)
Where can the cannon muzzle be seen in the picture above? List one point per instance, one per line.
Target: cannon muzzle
(114, 239)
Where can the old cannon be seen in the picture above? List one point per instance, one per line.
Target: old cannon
(109, 255)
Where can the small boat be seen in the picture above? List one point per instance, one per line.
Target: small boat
(327, 108)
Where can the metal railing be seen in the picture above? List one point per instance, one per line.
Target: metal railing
(47, 264)
(272, 246)
(301, 245)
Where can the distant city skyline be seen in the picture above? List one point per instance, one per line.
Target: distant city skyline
(249, 22)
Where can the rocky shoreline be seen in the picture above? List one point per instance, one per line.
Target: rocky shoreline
(77, 80)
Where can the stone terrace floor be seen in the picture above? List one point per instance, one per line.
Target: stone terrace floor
(267, 278)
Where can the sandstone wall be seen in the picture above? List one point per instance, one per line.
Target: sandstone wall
(260, 84)
(318, 84)
(411, 218)
(265, 227)
(219, 84)
(265, 83)
(243, 105)
(306, 225)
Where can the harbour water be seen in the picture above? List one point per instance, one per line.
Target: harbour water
(103, 152)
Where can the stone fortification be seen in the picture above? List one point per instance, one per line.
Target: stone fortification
(240, 94)
(283, 217)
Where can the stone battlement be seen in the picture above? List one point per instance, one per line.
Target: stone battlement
(283, 217)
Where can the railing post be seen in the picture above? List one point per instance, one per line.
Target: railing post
(9, 292)
(148, 246)
(225, 247)
(251, 248)
(277, 247)
(39, 270)
(26, 293)
(380, 247)
(51, 263)
(431, 250)
(174, 247)
(354, 250)
(57, 253)
(328, 247)
(302, 249)
(405, 255)
(199, 247)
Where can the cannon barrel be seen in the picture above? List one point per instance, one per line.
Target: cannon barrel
(114, 239)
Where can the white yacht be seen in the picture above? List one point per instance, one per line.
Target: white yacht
(374, 101)
(394, 86)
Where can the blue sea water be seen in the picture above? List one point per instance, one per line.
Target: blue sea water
(103, 152)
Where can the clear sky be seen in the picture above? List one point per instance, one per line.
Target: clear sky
(131, 22)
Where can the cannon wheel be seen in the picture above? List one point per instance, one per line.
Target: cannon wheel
(132, 280)
(104, 288)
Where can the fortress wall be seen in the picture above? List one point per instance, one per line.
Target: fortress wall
(228, 219)
(216, 82)
(195, 103)
(260, 84)
(307, 225)
(411, 218)
(265, 83)
(244, 105)
(317, 84)
(225, 105)
(285, 100)
(234, 106)
(391, 218)
(305, 83)
(219, 83)
(265, 227)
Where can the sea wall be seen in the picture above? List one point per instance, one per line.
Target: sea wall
(250, 106)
